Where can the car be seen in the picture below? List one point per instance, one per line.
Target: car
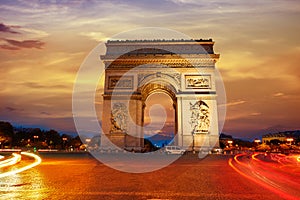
(217, 150)
(174, 150)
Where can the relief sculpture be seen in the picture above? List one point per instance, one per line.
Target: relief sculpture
(119, 116)
(199, 117)
(202, 82)
(120, 82)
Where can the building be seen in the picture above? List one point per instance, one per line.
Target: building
(281, 136)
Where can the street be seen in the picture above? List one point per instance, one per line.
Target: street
(80, 176)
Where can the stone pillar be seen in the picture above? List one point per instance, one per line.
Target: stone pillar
(179, 122)
(199, 121)
(122, 122)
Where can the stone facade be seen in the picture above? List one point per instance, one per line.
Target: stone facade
(183, 69)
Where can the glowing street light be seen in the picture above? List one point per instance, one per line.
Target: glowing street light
(290, 140)
(35, 138)
(257, 140)
(88, 140)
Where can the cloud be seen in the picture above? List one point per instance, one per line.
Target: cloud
(98, 36)
(8, 47)
(36, 85)
(45, 113)
(8, 29)
(255, 114)
(234, 103)
(26, 43)
(278, 94)
(10, 109)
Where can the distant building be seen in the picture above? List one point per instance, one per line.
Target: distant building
(223, 139)
(281, 136)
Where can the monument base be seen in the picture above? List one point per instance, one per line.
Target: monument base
(118, 138)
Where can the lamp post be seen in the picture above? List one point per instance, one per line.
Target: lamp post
(35, 137)
(257, 141)
(290, 140)
(193, 148)
(64, 142)
(88, 140)
(230, 142)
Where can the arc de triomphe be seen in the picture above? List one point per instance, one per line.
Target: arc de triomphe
(183, 69)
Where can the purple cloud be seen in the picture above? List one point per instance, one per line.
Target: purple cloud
(8, 29)
(10, 109)
(23, 44)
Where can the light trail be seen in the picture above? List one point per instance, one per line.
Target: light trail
(11, 161)
(265, 175)
(37, 161)
(10, 150)
(254, 157)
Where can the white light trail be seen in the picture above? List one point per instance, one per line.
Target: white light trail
(37, 161)
(10, 161)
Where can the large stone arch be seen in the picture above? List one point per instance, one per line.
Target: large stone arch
(187, 76)
(161, 85)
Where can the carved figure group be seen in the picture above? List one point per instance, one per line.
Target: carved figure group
(199, 117)
(119, 117)
(198, 82)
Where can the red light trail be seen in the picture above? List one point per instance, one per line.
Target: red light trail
(276, 172)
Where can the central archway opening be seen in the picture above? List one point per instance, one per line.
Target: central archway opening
(159, 120)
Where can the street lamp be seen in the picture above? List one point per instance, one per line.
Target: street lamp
(257, 141)
(193, 148)
(290, 140)
(35, 137)
(87, 140)
(64, 142)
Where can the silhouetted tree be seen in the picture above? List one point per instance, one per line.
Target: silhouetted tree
(53, 138)
(76, 142)
(148, 146)
(6, 133)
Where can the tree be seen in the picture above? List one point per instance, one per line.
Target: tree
(76, 142)
(148, 146)
(6, 133)
(53, 138)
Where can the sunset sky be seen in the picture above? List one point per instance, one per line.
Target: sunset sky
(43, 43)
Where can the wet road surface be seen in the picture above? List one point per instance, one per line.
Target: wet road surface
(80, 176)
